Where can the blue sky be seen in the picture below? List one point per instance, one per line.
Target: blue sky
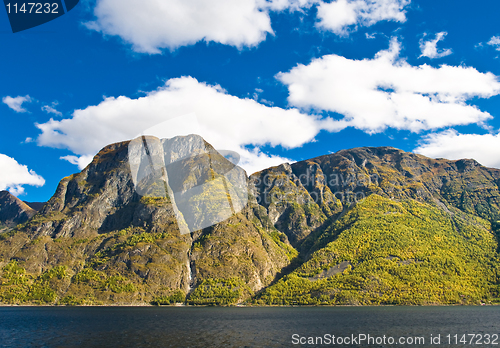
(276, 81)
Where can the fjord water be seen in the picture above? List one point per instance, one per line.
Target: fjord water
(185, 327)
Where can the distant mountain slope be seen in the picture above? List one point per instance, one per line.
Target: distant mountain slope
(361, 226)
(37, 206)
(13, 211)
(379, 202)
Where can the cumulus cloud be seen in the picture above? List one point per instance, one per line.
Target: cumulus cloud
(344, 16)
(184, 106)
(154, 25)
(495, 42)
(14, 175)
(429, 48)
(386, 91)
(484, 148)
(157, 24)
(16, 103)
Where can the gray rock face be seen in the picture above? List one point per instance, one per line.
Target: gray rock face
(297, 199)
(400, 175)
(203, 187)
(99, 199)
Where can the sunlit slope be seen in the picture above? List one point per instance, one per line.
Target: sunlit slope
(388, 252)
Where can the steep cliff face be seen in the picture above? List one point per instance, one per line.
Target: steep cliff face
(13, 211)
(109, 221)
(155, 220)
(398, 175)
(296, 204)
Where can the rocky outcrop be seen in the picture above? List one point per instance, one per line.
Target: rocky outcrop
(400, 175)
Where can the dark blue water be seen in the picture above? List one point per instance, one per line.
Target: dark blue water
(185, 327)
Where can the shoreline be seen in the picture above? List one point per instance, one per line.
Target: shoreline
(246, 306)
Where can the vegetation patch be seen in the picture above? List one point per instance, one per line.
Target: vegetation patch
(18, 287)
(280, 239)
(156, 201)
(177, 297)
(49, 217)
(401, 253)
(218, 292)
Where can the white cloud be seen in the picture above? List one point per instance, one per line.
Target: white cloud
(452, 145)
(292, 5)
(16, 103)
(157, 24)
(153, 25)
(51, 109)
(186, 106)
(429, 48)
(386, 91)
(81, 161)
(495, 42)
(14, 175)
(344, 16)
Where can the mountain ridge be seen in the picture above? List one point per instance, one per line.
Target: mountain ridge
(97, 241)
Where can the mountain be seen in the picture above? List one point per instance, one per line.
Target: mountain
(37, 206)
(13, 211)
(97, 240)
(173, 220)
(388, 227)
